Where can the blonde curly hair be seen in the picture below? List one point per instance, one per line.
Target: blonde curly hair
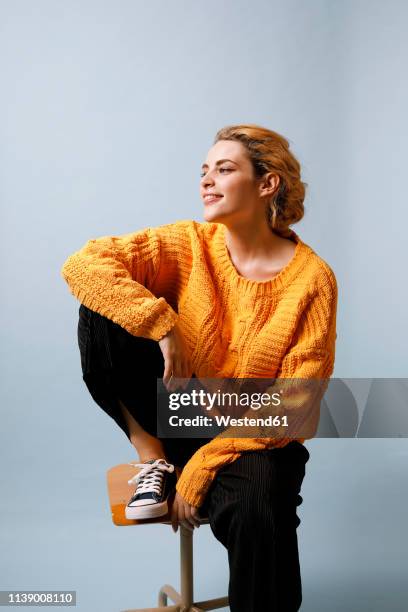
(269, 152)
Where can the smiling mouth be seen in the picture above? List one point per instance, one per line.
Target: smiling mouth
(209, 199)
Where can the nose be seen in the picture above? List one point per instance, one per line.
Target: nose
(207, 180)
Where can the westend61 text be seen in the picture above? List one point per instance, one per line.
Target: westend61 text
(227, 421)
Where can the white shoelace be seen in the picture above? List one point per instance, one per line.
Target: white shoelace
(150, 477)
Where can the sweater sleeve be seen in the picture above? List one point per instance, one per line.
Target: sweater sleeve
(113, 275)
(311, 356)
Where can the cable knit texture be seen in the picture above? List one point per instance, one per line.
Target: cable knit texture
(148, 280)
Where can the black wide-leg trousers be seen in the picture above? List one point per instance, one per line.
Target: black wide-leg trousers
(252, 502)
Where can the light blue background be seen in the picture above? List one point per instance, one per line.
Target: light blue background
(107, 112)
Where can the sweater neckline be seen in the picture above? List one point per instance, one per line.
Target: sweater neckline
(281, 280)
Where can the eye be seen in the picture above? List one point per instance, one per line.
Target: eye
(220, 169)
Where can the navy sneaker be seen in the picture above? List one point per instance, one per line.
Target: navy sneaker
(154, 483)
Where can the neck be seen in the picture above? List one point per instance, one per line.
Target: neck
(247, 243)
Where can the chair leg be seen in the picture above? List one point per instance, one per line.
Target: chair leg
(184, 602)
(168, 591)
(210, 604)
(186, 566)
(161, 609)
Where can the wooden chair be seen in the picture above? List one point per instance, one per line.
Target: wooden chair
(119, 494)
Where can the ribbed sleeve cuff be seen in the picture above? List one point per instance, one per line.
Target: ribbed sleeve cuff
(194, 483)
(160, 321)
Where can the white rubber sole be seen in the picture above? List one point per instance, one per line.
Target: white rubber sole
(146, 512)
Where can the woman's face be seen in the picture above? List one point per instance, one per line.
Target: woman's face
(228, 172)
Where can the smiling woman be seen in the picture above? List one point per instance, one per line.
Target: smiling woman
(237, 296)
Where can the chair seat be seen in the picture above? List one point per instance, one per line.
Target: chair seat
(120, 492)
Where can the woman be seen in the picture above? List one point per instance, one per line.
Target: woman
(239, 295)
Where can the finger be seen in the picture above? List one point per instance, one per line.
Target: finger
(187, 525)
(187, 372)
(168, 366)
(174, 517)
(172, 385)
(189, 518)
(180, 383)
(184, 380)
(183, 365)
(174, 382)
(182, 518)
(195, 516)
(169, 378)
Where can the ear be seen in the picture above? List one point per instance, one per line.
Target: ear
(269, 184)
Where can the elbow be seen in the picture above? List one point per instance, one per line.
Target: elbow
(69, 267)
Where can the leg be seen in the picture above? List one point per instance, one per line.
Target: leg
(103, 358)
(251, 506)
(120, 372)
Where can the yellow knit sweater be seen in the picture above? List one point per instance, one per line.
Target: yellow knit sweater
(285, 327)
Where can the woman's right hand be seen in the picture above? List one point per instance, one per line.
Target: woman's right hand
(177, 363)
(177, 360)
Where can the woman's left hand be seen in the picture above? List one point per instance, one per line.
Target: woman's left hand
(182, 512)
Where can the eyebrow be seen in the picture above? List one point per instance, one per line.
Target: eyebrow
(220, 161)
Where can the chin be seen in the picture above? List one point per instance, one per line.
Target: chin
(211, 216)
